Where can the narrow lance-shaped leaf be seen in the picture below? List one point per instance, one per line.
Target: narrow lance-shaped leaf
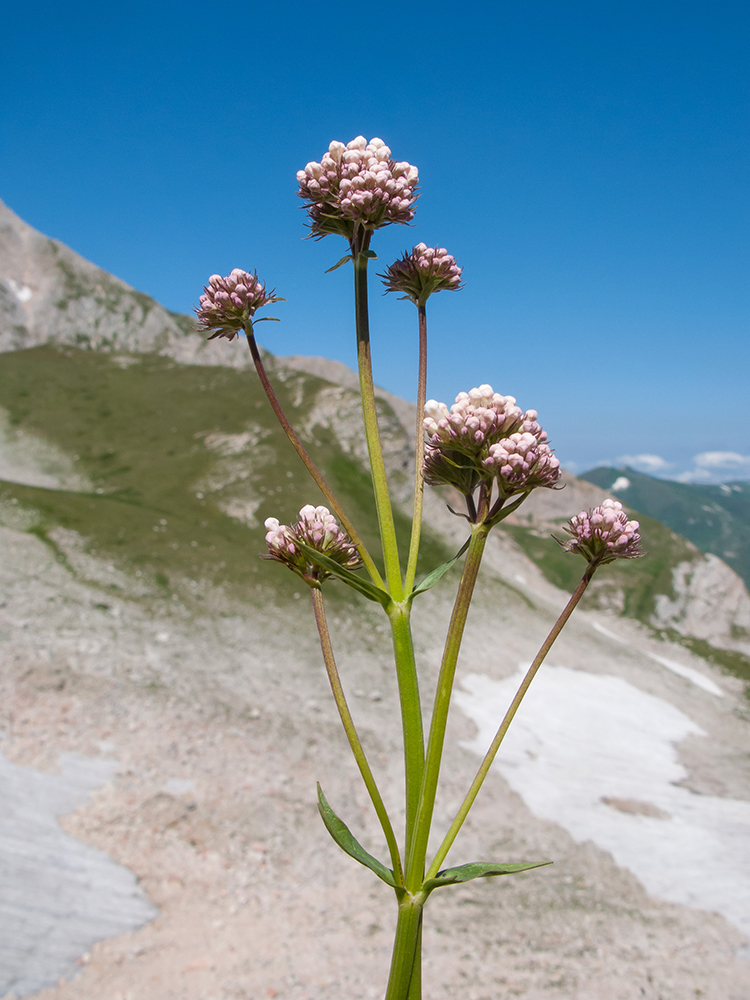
(432, 578)
(478, 869)
(368, 590)
(349, 843)
(339, 263)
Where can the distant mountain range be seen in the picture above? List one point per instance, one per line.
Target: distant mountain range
(714, 518)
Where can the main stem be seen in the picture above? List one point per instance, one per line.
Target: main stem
(367, 391)
(416, 857)
(405, 979)
(416, 524)
(351, 732)
(504, 725)
(411, 719)
(311, 467)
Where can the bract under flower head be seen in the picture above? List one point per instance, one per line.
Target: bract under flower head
(421, 272)
(318, 529)
(485, 437)
(229, 304)
(603, 534)
(357, 184)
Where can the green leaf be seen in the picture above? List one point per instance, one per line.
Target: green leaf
(349, 843)
(339, 263)
(478, 869)
(364, 587)
(432, 578)
(369, 254)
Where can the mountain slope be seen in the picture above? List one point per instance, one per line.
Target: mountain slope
(716, 518)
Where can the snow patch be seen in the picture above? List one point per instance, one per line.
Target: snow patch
(621, 483)
(598, 756)
(22, 292)
(697, 678)
(57, 895)
(694, 676)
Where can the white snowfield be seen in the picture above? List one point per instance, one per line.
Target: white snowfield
(56, 893)
(599, 756)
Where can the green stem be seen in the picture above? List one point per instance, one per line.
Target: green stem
(415, 983)
(504, 725)
(367, 390)
(411, 717)
(416, 524)
(416, 858)
(311, 467)
(406, 961)
(351, 732)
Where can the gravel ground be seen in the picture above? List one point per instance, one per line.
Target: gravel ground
(219, 724)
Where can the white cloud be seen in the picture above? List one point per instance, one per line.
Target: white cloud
(695, 476)
(722, 460)
(648, 463)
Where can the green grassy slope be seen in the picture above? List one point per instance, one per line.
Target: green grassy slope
(155, 440)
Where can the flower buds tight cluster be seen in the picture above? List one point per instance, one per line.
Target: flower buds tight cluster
(317, 529)
(357, 183)
(228, 304)
(486, 438)
(423, 271)
(603, 534)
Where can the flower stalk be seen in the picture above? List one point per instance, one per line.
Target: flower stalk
(416, 523)
(309, 464)
(351, 732)
(369, 412)
(489, 757)
(416, 857)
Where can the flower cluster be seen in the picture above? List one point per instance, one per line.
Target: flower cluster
(357, 183)
(318, 529)
(228, 304)
(603, 534)
(423, 271)
(485, 437)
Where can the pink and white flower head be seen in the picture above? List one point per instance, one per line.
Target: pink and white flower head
(318, 529)
(603, 534)
(357, 184)
(486, 437)
(421, 272)
(228, 304)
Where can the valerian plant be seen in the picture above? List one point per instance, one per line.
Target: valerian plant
(484, 446)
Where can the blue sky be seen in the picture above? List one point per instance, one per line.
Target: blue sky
(586, 163)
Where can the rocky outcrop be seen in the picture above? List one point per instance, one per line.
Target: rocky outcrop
(50, 294)
(710, 602)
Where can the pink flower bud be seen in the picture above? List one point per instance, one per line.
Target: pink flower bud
(229, 304)
(359, 166)
(603, 534)
(318, 529)
(423, 271)
(485, 438)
